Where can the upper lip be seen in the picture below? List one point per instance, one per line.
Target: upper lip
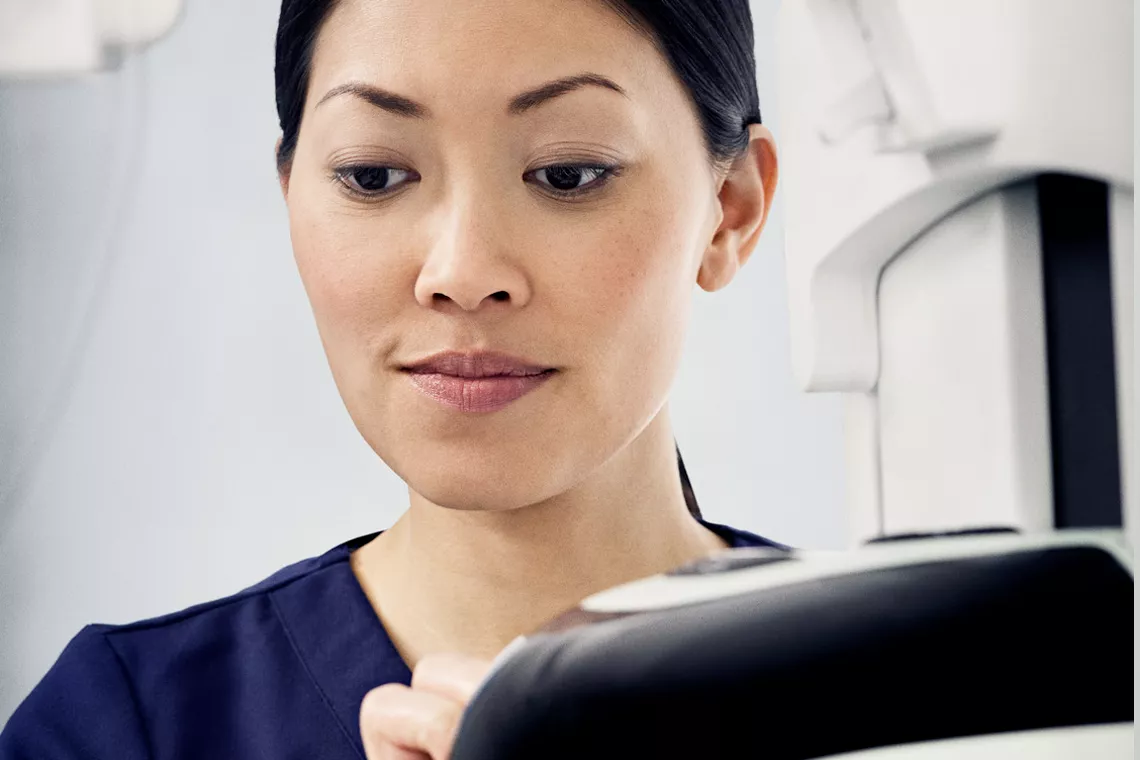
(476, 364)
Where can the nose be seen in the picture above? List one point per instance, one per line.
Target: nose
(470, 266)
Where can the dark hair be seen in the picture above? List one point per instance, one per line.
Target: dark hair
(708, 43)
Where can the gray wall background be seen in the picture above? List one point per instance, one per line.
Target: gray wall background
(169, 430)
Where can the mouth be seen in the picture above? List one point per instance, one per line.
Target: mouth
(476, 382)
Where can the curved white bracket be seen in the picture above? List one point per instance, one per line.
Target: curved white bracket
(844, 285)
(896, 112)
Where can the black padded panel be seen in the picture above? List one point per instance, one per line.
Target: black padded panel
(1019, 641)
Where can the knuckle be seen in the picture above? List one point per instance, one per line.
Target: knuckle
(377, 702)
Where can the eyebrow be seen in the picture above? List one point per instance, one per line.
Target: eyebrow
(521, 103)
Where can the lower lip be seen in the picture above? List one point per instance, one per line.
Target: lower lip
(476, 394)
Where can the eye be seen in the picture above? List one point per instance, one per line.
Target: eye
(572, 180)
(370, 181)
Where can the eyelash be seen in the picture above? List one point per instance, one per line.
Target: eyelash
(606, 172)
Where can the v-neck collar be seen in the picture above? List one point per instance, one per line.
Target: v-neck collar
(339, 638)
(341, 641)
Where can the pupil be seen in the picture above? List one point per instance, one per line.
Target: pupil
(371, 178)
(568, 175)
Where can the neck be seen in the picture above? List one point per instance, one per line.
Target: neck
(470, 581)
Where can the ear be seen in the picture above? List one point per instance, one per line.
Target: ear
(745, 198)
(282, 171)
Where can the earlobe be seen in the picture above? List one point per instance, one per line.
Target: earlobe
(720, 263)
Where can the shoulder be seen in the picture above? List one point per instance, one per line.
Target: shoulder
(297, 571)
(205, 627)
(83, 707)
(95, 700)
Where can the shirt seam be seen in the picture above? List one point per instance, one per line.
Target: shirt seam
(322, 562)
(312, 678)
(217, 604)
(133, 693)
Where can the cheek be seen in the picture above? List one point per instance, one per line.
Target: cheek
(349, 273)
(625, 306)
(353, 284)
(638, 279)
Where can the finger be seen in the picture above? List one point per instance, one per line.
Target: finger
(393, 716)
(455, 676)
(392, 752)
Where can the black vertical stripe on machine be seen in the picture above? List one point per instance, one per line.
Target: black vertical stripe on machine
(1076, 268)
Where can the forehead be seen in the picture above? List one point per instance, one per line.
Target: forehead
(455, 54)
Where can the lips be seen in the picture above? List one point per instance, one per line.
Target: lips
(476, 382)
(474, 365)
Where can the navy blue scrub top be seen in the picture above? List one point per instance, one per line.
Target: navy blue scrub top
(275, 671)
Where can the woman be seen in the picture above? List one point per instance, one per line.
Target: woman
(499, 209)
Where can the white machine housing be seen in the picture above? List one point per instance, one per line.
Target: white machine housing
(911, 133)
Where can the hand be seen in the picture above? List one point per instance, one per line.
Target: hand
(419, 723)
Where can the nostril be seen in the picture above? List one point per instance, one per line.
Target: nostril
(501, 295)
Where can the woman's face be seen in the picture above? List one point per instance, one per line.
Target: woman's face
(467, 243)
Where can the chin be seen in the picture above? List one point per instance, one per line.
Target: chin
(468, 475)
(483, 488)
(467, 496)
